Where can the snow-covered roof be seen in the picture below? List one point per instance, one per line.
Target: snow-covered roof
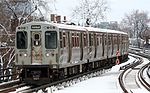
(74, 27)
(115, 31)
(95, 29)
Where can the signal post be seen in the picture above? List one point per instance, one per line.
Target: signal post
(117, 60)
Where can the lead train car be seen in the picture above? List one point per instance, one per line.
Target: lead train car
(47, 52)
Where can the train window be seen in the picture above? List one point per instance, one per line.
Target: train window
(105, 37)
(22, 40)
(81, 40)
(103, 45)
(109, 39)
(118, 42)
(115, 39)
(85, 39)
(94, 38)
(118, 39)
(112, 44)
(73, 40)
(77, 41)
(36, 36)
(37, 41)
(50, 39)
(60, 37)
(64, 39)
(90, 39)
(100, 39)
(97, 41)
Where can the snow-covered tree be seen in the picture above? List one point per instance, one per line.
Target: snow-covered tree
(16, 12)
(135, 23)
(90, 11)
(44, 8)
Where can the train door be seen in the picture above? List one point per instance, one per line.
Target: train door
(98, 46)
(112, 40)
(81, 46)
(85, 46)
(109, 42)
(36, 47)
(91, 47)
(103, 45)
(69, 50)
(95, 45)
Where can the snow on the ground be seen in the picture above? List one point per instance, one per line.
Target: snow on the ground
(105, 83)
(20, 89)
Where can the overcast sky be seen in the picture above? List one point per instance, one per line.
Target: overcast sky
(118, 8)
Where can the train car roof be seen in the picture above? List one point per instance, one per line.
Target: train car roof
(115, 31)
(95, 29)
(74, 27)
(105, 30)
(61, 26)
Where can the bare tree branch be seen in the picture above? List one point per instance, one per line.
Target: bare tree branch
(11, 9)
(91, 11)
(136, 23)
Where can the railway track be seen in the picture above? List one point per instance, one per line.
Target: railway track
(10, 86)
(15, 86)
(122, 75)
(148, 71)
(65, 82)
(141, 77)
(127, 78)
(18, 87)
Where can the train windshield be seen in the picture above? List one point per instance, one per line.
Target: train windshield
(50, 39)
(22, 40)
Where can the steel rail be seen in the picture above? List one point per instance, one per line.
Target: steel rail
(61, 81)
(148, 71)
(120, 79)
(141, 78)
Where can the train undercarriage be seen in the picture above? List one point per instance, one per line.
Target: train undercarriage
(38, 75)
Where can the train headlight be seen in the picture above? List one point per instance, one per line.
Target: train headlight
(54, 66)
(47, 54)
(25, 55)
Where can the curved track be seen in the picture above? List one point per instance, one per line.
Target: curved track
(148, 71)
(141, 77)
(133, 74)
(122, 75)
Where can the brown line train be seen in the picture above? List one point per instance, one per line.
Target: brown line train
(47, 52)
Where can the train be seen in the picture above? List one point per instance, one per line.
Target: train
(47, 52)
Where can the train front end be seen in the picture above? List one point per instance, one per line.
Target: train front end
(36, 52)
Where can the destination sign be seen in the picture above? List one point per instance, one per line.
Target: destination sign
(35, 26)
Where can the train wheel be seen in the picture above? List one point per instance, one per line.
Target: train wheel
(61, 74)
(22, 75)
